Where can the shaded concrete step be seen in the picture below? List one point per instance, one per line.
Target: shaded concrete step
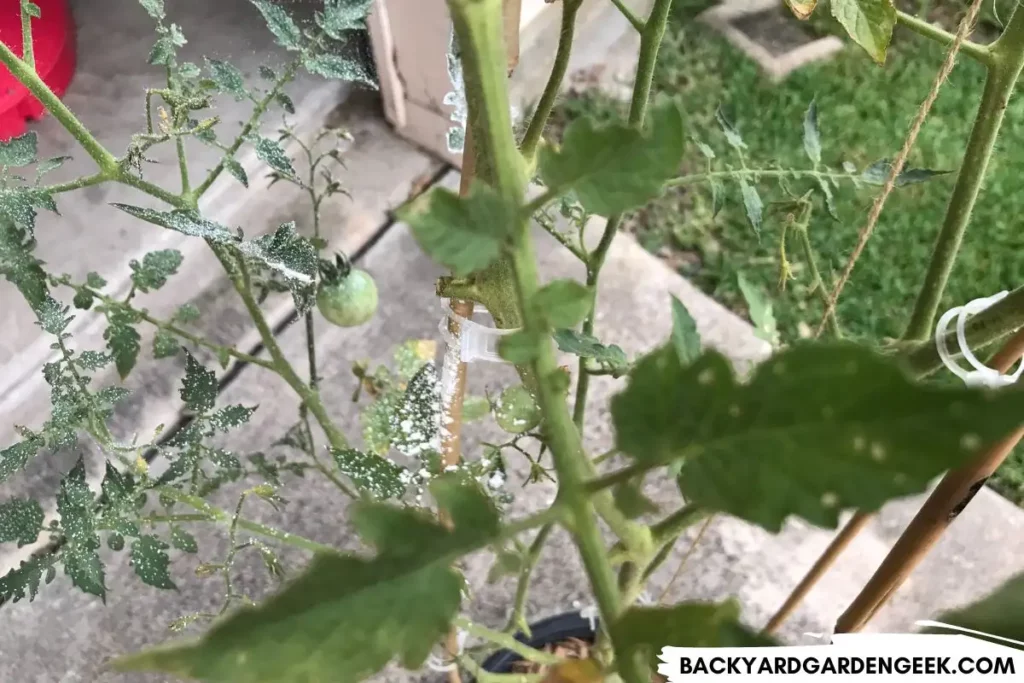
(382, 172)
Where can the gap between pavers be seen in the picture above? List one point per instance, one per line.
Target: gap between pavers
(66, 636)
(382, 172)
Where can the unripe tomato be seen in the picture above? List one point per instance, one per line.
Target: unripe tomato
(346, 296)
(516, 411)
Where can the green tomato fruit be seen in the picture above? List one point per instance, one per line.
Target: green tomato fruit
(350, 301)
(515, 411)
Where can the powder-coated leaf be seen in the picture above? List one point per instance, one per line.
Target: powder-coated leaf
(76, 507)
(20, 521)
(151, 563)
(198, 387)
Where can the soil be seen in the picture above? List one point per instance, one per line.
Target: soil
(776, 30)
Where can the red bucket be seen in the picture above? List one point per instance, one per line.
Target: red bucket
(53, 43)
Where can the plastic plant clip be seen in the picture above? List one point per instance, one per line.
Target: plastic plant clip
(475, 342)
(444, 665)
(981, 375)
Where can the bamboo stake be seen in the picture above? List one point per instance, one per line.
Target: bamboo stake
(947, 501)
(820, 568)
(454, 390)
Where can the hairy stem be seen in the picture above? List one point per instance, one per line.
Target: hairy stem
(27, 76)
(570, 8)
(261, 107)
(223, 516)
(1007, 59)
(506, 641)
(28, 54)
(517, 620)
(650, 43)
(309, 396)
(979, 53)
(630, 15)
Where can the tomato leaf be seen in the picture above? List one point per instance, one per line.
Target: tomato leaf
(818, 428)
(464, 234)
(564, 302)
(690, 624)
(1000, 614)
(614, 167)
(868, 22)
(21, 521)
(347, 616)
(685, 337)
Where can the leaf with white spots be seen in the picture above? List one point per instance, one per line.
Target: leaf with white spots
(183, 540)
(288, 34)
(819, 428)
(228, 78)
(165, 345)
(230, 417)
(122, 339)
(20, 521)
(151, 563)
(371, 473)
(155, 268)
(19, 151)
(271, 152)
(418, 418)
(23, 582)
(17, 455)
(76, 507)
(199, 386)
(347, 616)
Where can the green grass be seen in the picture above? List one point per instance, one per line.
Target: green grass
(864, 111)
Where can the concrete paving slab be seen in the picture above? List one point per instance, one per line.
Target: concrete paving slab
(66, 636)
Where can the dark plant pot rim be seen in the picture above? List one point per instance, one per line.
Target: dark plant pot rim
(544, 632)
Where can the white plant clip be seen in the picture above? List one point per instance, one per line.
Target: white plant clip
(981, 375)
(442, 665)
(475, 342)
(590, 613)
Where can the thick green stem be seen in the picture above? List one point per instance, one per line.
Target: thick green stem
(1007, 59)
(506, 641)
(27, 76)
(991, 325)
(570, 8)
(980, 53)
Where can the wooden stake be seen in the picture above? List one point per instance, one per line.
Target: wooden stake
(947, 501)
(824, 563)
(1004, 359)
(451, 443)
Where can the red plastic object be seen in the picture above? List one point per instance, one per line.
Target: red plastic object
(53, 44)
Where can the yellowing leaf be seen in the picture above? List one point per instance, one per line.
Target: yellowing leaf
(868, 22)
(801, 8)
(575, 671)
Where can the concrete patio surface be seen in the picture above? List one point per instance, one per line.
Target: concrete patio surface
(66, 636)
